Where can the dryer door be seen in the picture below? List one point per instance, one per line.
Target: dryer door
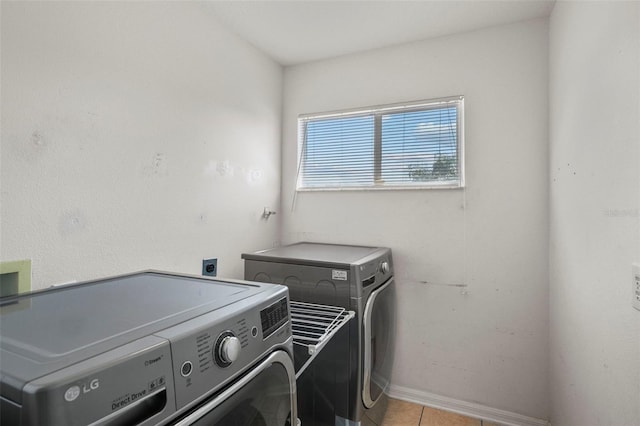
(379, 321)
(265, 396)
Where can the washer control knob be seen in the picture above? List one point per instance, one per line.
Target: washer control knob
(230, 349)
(384, 267)
(227, 349)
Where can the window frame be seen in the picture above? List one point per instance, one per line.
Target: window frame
(378, 112)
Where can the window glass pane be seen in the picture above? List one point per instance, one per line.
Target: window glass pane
(338, 152)
(420, 146)
(415, 145)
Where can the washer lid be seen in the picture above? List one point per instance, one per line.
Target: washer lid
(318, 254)
(57, 322)
(44, 331)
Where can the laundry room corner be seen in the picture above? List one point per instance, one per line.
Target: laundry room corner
(471, 263)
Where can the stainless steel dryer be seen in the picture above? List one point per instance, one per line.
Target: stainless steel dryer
(345, 384)
(149, 348)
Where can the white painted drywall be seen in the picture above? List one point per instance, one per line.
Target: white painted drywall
(471, 264)
(134, 135)
(594, 213)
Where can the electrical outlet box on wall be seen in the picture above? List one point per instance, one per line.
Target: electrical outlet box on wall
(210, 267)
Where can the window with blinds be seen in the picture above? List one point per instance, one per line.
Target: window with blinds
(411, 145)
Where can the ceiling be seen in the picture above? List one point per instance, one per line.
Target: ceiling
(293, 32)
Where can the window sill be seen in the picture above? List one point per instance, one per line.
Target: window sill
(382, 188)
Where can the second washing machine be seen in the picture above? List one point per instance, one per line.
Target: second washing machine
(345, 384)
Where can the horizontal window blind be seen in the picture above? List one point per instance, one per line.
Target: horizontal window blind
(411, 145)
(338, 151)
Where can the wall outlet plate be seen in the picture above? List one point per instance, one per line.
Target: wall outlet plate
(210, 267)
(635, 280)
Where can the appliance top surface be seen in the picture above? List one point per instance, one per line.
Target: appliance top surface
(49, 325)
(305, 252)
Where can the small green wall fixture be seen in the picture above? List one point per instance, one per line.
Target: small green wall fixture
(15, 277)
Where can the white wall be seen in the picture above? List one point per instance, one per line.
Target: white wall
(594, 219)
(134, 135)
(484, 342)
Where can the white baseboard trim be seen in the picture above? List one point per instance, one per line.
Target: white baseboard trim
(463, 407)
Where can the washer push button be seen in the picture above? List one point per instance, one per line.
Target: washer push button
(186, 369)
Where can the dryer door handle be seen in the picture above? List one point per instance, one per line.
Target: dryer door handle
(367, 328)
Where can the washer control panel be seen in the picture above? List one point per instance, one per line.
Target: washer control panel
(212, 350)
(376, 271)
(273, 317)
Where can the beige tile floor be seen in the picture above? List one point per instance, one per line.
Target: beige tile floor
(402, 413)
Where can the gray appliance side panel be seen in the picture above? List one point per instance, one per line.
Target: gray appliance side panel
(11, 386)
(311, 284)
(9, 412)
(110, 386)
